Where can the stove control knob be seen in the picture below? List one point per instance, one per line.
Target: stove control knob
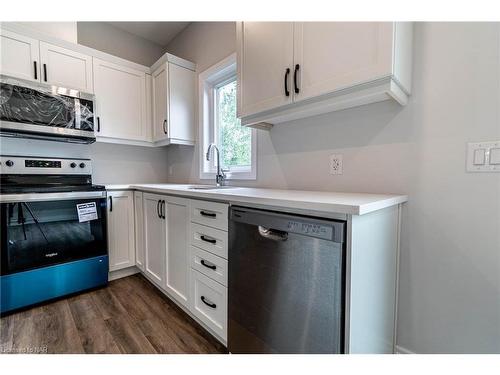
(82, 165)
(9, 163)
(73, 165)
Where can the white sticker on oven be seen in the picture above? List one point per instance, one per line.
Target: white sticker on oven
(86, 211)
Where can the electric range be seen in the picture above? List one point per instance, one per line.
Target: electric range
(53, 230)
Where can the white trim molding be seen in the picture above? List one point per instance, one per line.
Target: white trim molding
(207, 82)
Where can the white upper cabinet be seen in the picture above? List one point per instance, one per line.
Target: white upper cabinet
(330, 56)
(173, 104)
(134, 104)
(19, 56)
(160, 103)
(288, 71)
(120, 94)
(121, 229)
(265, 59)
(66, 68)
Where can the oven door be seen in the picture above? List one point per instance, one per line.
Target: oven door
(36, 111)
(39, 230)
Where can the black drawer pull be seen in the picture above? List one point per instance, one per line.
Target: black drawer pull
(208, 214)
(45, 72)
(208, 303)
(211, 266)
(206, 239)
(36, 70)
(98, 124)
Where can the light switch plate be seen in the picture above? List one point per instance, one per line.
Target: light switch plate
(479, 158)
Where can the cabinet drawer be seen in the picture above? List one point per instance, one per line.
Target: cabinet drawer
(209, 303)
(209, 239)
(210, 265)
(209, 213)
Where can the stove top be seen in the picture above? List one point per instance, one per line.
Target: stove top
(23, 175)
(48, 189)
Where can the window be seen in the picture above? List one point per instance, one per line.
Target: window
(220, 125)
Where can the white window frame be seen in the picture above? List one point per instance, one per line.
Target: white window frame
(215, 76)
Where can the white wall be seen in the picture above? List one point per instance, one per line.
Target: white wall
(107, 38)
(450, 262)
(112, 164)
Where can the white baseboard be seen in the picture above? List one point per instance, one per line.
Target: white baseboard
(123, 273)
(401, 350)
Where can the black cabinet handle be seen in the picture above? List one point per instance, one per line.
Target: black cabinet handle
(36, 73)
(206, 302)
(158, 208)
(295, 83)
(45, 72)
(110, 204)
(165, 126)
(98, 124)
(209, 240)
(162, 209)
(211, 266)
(208, 214)
(287, 73)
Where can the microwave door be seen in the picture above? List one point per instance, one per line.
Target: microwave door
(36, 113)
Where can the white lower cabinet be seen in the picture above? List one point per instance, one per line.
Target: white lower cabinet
(176, 213)
(209, 264)
(121, 238)
(209, 302)
(171, 253)
(139, 230)
(154, 239)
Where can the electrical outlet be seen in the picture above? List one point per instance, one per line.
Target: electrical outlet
(336, 164)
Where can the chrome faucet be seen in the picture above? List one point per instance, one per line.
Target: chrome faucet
(220, 175)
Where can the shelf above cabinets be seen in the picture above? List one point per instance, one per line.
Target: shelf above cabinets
(310, 68)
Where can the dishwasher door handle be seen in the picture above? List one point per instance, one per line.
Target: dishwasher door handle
(273, 234)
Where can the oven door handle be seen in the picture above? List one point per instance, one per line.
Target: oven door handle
(40, 197)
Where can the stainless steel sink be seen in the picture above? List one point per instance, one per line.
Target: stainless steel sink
(210, 187)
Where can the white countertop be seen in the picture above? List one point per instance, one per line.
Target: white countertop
(319, 201)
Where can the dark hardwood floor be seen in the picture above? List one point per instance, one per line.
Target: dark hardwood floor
(129, 316)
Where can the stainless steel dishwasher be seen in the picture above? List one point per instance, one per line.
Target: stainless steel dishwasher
(286, 283)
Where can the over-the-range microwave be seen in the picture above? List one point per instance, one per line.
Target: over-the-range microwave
(36, 110)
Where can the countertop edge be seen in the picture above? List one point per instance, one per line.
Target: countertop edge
(348, 209)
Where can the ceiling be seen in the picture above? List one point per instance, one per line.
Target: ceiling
(160, 33)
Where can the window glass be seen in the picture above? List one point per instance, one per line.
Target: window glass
(234, 140)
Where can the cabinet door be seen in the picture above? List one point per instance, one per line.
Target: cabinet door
(265, 52)
(160, 103)
(121, 230)
(177, 217)
(334, 55)
(120, 101)
(139, 230)
(154, 239)
(19, 56)
(181, 104)
(66, 68)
